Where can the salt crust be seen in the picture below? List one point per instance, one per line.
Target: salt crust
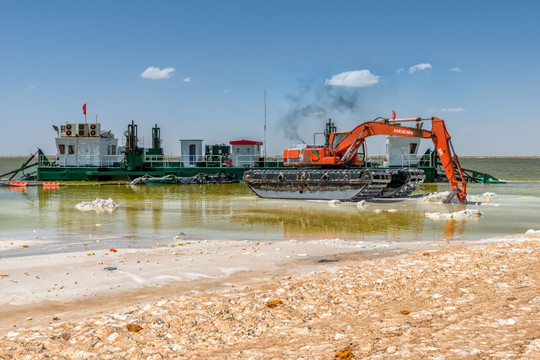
(468, 213)
(528, 236)
(440, 197)
(400, 307)
(99, 205)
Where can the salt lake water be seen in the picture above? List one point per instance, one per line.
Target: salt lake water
(48, 222)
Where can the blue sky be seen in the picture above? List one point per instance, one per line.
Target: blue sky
(199, 69)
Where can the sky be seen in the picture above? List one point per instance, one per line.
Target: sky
(200, 70)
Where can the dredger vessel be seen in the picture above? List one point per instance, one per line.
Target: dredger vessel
(338, 170)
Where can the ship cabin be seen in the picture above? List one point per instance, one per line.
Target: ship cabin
(191, 152)
(402, 151)
(85, 144)
(246, 153)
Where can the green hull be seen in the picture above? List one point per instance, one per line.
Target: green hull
(52, 173)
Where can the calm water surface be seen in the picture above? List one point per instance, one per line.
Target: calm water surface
(156, 214)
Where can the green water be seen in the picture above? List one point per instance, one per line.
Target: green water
(156, 214)
(521, 169)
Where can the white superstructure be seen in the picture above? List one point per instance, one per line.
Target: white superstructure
(86, 145)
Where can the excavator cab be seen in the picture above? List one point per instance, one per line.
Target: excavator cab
(336, 138)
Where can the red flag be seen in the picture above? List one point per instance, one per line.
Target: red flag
(84, 109)
(393, 114)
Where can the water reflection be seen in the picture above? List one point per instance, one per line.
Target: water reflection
(319, 221)
(211, 211)
(146, 213)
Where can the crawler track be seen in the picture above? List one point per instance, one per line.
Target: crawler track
(335, 184)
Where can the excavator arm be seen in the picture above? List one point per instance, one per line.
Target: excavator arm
(346, 149)
(449, 161)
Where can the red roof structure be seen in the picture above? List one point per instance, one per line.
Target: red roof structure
(245, 142)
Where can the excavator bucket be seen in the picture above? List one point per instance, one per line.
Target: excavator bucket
(455, 198)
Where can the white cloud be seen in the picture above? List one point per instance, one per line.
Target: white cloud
(455, 69)
(399, 71)
(156, 73)
(188, 79)
(458, 109)
(31, 87)
(419, 67)
(356, 78)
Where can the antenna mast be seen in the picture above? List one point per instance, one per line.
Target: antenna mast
(265, 123)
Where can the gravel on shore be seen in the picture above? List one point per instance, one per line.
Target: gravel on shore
(478, 301)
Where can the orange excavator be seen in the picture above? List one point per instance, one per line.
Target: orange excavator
(337, 170)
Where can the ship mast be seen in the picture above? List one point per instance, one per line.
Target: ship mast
(265, 123)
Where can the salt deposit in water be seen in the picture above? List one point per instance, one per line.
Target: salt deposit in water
(485, 197)
(440, 197)
(362, 204)
(469, 213)
(437, 197)
(97, 205)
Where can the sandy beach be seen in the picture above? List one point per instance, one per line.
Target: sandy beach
(276, 300)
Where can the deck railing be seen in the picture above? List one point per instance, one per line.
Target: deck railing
(407, 160)
(77, 160)
(210, 160)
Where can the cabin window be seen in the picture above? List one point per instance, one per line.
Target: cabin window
(71, 149)
(338, 138)
(113, 150)
(412, 148)
(237, 150)
(361, 154)
(62, 149)
(247, 150)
